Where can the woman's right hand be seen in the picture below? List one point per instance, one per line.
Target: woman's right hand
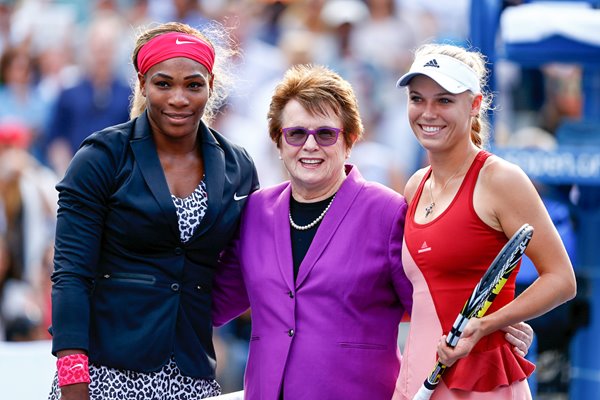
(520, 336)
(77, 391)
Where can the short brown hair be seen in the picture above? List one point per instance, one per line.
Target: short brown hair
(317, 89)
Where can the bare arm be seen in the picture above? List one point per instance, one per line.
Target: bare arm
(517, 202)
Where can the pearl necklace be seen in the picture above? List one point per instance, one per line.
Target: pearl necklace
(429, 208)
(316, 221)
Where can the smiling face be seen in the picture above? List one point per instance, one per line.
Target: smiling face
(176, 92)
(316, 172)
(440, 119)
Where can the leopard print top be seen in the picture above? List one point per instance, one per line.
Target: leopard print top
(190, 211)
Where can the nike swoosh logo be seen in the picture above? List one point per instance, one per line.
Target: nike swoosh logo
(177, 41)
(76, 366)
(238, 198)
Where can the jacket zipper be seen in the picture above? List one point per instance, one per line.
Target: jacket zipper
(130, 277)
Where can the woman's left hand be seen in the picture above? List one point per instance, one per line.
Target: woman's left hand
(520, 335)
(468, 339)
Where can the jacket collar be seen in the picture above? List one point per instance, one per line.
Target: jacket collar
(214, 167)
(339, 209)
(144, 149)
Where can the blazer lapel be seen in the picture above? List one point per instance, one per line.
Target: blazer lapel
(339, 209)
(144, 150)
(214, 165)
(282, 240)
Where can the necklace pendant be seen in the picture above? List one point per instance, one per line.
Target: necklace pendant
(429, 209)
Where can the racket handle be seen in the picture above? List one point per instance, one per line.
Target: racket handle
(457, 329)
(423, 393)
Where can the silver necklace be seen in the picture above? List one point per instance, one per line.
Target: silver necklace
(429, 208)
(316, 221)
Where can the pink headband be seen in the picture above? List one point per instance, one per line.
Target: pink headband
(175, 44)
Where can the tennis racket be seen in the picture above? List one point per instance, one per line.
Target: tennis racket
(481, 299)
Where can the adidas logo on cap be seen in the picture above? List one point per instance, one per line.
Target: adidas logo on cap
(432, 63)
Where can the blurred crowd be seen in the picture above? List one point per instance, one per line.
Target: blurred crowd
(65, 72)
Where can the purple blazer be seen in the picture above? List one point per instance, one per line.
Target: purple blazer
(332, 334)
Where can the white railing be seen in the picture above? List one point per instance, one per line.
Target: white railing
(229, 396)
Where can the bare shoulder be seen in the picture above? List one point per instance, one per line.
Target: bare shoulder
(504, 194)
(413, 183)
(497, 173)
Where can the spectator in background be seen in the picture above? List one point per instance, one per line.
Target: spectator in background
(56, 71)
(138, 13)
(4, 266)
(28, 209)
(19, 98)
(350, 21)
(98, 100)
(343, 17)
(306, 15)
(259, 66)
(231, 346)
(386, 38)
(6, 10)
(186, 11)
(434, 20)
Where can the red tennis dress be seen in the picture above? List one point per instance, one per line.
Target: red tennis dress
(444, 259)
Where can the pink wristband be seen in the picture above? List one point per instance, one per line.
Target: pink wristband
(73, 369)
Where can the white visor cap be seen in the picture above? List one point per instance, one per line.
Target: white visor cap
(450, 73)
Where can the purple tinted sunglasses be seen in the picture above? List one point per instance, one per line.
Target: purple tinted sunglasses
(324, 136)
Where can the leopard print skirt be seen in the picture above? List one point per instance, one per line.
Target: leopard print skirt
(166, 384)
